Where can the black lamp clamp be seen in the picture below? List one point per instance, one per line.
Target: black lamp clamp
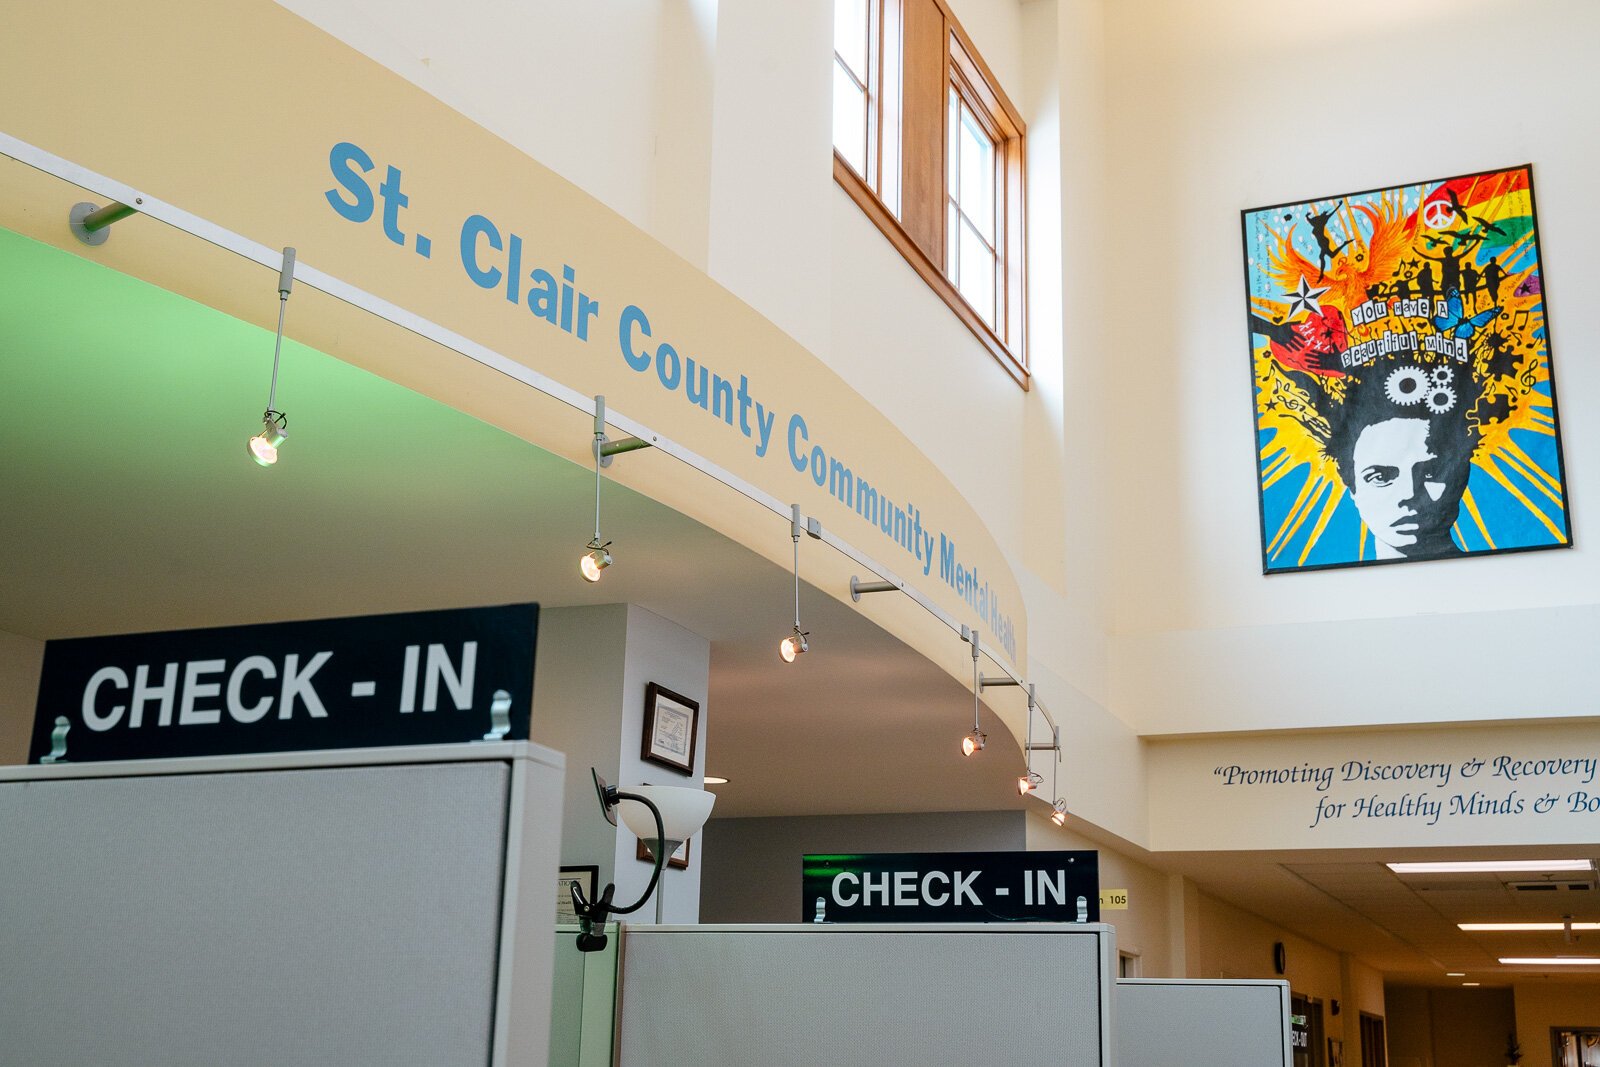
(592, 915)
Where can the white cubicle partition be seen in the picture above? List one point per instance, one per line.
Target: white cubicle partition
(885, 995)
(365, 907)
(1202, 1022)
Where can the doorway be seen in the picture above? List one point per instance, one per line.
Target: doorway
(1305, 1029)
(1374, 1049)
(1576, 1047)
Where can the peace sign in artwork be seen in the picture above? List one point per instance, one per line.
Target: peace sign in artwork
(1437, 213)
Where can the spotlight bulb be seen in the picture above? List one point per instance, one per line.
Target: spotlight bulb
(793, 645)
(263, 447)
(595, 560)
(1059, 815)
(1029, 782)
(974, 742)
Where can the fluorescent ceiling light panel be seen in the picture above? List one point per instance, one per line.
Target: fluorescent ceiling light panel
(1523, 927)
(1494, 866)
(1551, 961)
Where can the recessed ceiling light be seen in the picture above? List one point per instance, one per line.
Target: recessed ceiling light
(1524, 927)
(1471, 983)
(1551, 961)
(713, 780)
(1455, 974)
(1497, 866)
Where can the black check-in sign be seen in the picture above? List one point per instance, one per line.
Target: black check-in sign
(428, 677)
(897, 887)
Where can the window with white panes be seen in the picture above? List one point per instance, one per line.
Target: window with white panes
(971, 256)
(852, 99)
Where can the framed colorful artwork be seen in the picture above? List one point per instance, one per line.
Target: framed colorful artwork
(1405, 404)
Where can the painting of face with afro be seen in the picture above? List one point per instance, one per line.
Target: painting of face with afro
(1405, 408)
(1403, 447)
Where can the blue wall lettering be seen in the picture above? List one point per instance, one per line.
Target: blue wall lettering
(493, 257)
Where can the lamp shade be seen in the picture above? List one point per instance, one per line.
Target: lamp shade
(684, 810)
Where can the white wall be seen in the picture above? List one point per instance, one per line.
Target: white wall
(1234, 943)
(21, 659)
(665, 653)
(1145, 928)
(1454, 1027)
(771, 165)
(615, 97)
(588, 702)
(1409, 1026)
(1228, 942)
(1221, 107)
(1123, 484)
(1544, 1005)
(708, 125)
(577, 710)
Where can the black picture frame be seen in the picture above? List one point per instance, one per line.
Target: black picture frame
(671, 728)
(587, 876)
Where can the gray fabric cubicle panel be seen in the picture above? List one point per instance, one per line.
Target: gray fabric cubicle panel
(805, 995)
(1202, 1023)
(300, 917)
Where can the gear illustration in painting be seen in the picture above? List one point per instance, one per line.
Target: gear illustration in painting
(1406, 386)
(1441, 400)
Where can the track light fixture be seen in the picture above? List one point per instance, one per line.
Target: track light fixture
(263, 447)
(597, 554)
(595, 560)
(973, 743)
(1030, 779)
(791, 647)
(1058, 813)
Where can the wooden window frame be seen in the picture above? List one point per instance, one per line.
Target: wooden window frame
(906, 195)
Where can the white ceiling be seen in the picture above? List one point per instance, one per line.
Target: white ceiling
(129, 505)
(1406, 925)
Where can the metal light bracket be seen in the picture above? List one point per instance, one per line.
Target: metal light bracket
(1053, 745)
(985, 682)
(857, 587)
(91, 223)
(604, 447)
